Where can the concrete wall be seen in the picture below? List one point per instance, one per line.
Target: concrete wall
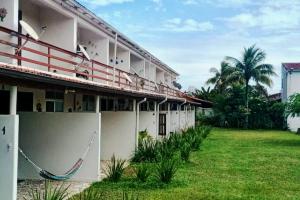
(8, 156)
(148, 121)
(11, 22)
(117, 134)
(174, 121)
(55, 141)
(292, 86)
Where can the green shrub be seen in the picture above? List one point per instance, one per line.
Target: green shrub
(142, 172)
(89, 194)
(166, 169)
(144, 135)
(175, 139)
(146, 151)
(165, 149)
(49, 193)
(115, 169)
(185, 151)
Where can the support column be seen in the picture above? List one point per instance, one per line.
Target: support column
(13, 100)
(97, 104)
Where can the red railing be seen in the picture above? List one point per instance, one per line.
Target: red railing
(44, 56)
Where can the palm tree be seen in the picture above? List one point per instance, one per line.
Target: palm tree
(204, 93)
(251, 67)
(220, 78)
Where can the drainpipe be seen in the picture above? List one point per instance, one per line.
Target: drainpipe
(115, 59)
(157, 114)
(180, 112)
(137, 124)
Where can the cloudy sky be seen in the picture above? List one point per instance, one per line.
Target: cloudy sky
(194, 35)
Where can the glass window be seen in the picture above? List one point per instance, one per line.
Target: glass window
(164, 107)
(151, 106)
(173, 106)
(54, 101)
(125, 105)
(144, 106)
(88, 103)
(103, 104)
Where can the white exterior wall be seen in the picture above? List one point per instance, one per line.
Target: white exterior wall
(8, 156)
(174, 121)
(183, 124)
(55, 141)
(117, 134)
(292, 87)
(148, 121)
(11, 22)
(61, 31)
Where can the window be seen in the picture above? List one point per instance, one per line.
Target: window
(182, 108)
(54, 101)
(144, 106)
(173, 107)
(164, 107)
(107, 104)
(125, 105)
(162, 124)
(151, 106)
(103, 104)
(88, 103)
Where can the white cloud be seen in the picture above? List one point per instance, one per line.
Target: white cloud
(187, 25)
(105, 2)
(268, 15)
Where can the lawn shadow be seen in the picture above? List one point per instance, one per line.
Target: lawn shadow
(286, 143)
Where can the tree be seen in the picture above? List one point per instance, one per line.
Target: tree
(293, 105)
(251, 68)
(205, 94)
(220, 78)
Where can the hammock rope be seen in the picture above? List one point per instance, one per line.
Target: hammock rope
(48, 175)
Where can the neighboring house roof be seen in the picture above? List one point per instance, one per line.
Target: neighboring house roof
(291, 66)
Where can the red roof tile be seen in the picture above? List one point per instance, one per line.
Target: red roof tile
(291, 66)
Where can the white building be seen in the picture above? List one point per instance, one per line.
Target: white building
(291, 85)
(54, 99)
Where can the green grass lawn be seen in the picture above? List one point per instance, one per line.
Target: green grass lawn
(232, 164)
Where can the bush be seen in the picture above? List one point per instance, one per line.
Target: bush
(49, 193)
(175, 139)
(89, 194)
(115, 169)
(185, 151)
(142, 172)
(165, 149)
(146, 151)
(166, 169)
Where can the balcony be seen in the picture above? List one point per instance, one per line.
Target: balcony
(49, 58)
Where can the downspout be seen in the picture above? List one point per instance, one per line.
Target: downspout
(157, 114)
(180, 112)
(137, 124)
(115, 59)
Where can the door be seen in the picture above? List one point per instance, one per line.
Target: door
(4, 102)
(25, 102)
(162, 124)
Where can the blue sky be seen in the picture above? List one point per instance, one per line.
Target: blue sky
(192, 36)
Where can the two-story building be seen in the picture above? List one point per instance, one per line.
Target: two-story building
(290, 85)
(67, 76)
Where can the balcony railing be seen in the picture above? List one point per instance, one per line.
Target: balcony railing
(47, 57)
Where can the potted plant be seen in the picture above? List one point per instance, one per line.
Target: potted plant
(3, 13)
